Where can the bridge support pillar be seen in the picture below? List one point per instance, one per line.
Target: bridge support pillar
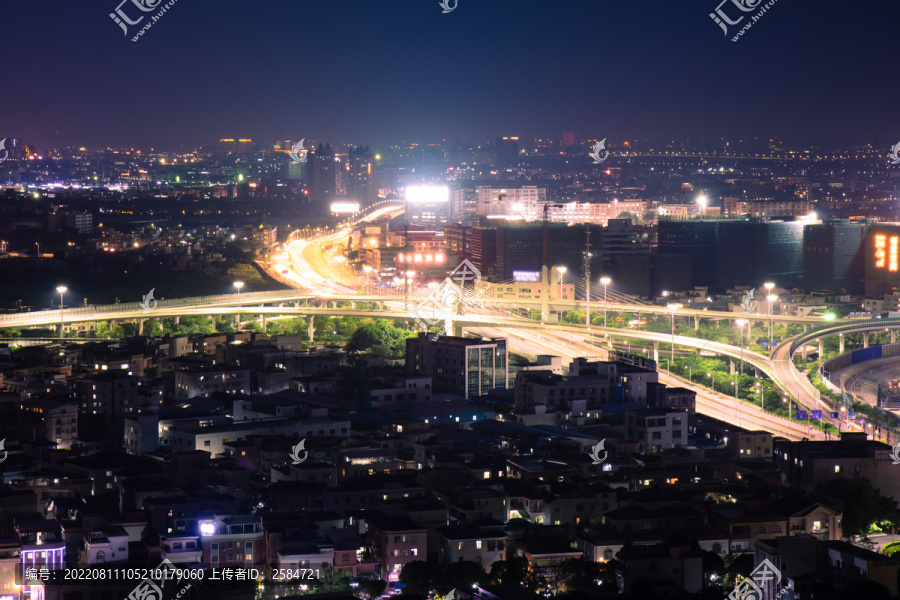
(865, 339)
(803, 352)
(656, 351)
(893, 336)
(841, 342)
(822, 347)
(177, 320)
(59, 331)
(310, 332)
(352, 305)
(696, 323)
(457, 330)
(265, 330)
(141, 326)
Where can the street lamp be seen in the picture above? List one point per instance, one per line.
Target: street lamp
(239, 285)
(409, 276)
(605, 281)
(560, 271)
(368, 270)
(740, 324)
(771, 298)
(673, 308)
(62, 290)
(713, 375)
(769, 286)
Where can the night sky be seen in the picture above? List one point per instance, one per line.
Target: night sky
(380, 72)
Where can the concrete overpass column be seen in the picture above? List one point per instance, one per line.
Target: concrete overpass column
(696, 323)
(311, 330)
(865, 339)
(841, 342)
(893, 336)
(59, 331)
(265, 331)
(457, 330)
(803, 352)
(821, 347)
(141, 326)
(352, 305)
(805, 327)
(177, 320)
(656, 351)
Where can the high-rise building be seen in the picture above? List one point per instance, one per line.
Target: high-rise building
(463, 204)
(458, 365)
(520, 248)
(882, 260)
(507, 151)
(621, 238)
(695, 240)
(753, 252)
(525, 201)
(427, 205)
(359, 179)
(834, 256)
(321, 170)
(568, 139)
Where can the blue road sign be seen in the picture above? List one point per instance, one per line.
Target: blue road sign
(801, 414)
(851, 415)
(817, 414)
(834, 415)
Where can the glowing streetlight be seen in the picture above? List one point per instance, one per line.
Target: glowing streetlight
(560, 271)
(702, 200)
(239, 285)
(605, 281)
(771, 298)
(740, 323)
(368, 270)
(673, 307)
(62, 290)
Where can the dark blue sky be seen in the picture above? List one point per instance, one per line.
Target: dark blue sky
(379, 72)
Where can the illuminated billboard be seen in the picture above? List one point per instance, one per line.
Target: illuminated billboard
(527, 276)
(886, 248)
(340, 207)
(427, 194)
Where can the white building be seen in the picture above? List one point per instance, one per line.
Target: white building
(657, 428)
